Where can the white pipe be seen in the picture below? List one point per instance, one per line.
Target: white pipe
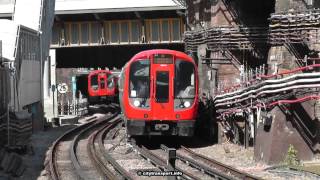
(270, 86)
(270, 91)
(270, 81)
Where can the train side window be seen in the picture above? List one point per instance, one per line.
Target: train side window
(139, 86)
(162, 87)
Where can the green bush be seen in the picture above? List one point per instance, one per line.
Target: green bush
(291, 158)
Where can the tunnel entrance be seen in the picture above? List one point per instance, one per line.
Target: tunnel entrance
(104, 56)
(73, 65)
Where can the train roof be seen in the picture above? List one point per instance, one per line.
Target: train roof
(148, 53)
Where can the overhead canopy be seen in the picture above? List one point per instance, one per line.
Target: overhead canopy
(96, 6)
(100, 6)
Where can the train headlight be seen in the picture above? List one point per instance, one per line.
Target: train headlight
(136, 103)
(187, 104)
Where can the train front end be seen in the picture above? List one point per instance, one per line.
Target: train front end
(101, 86)
(161, 94)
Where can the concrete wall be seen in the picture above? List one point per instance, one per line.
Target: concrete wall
(286, 5)
(272, 145)
(29, 88)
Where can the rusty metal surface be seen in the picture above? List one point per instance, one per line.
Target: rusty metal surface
(272, 146)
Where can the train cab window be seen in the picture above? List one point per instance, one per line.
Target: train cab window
(110, 81)
(94, 82)
(184, 86)
(162, 86)
(139, 86)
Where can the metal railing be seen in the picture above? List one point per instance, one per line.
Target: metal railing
(75, 108)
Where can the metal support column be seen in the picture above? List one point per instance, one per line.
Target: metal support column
(246, 134)
(8, 126)
(171, 161)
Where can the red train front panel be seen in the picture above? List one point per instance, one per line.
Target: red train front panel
(159, 93)
(101, 84)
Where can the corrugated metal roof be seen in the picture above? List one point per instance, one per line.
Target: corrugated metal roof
(92, 6)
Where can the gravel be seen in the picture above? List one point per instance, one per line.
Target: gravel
(243, 159)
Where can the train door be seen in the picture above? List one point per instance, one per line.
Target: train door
(162, 73)
(102, 81)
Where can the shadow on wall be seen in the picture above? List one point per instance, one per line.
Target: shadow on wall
(293, 124)
(303, 119)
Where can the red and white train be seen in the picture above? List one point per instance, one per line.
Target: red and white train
(158, 93)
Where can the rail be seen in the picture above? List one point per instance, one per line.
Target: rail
(220, 166)
(77, 138)
(52, 157)
(76, 134)
(100, 156)
(203, 168)
(159, 162)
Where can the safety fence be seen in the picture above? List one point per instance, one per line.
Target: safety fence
(72, 108)
(15, 129)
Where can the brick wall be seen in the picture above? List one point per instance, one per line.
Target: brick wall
(228, 75)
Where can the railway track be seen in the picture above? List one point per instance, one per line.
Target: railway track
(81, 153)
(67, 160)
(206, 168)
(100, 156)
(224, 171)
(160, 162)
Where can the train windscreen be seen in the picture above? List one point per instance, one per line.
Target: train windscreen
(184, 82)
(139, 79)
(110, 81)
(162, 87)
(94, 82)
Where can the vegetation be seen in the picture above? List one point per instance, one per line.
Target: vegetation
(291, 158)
